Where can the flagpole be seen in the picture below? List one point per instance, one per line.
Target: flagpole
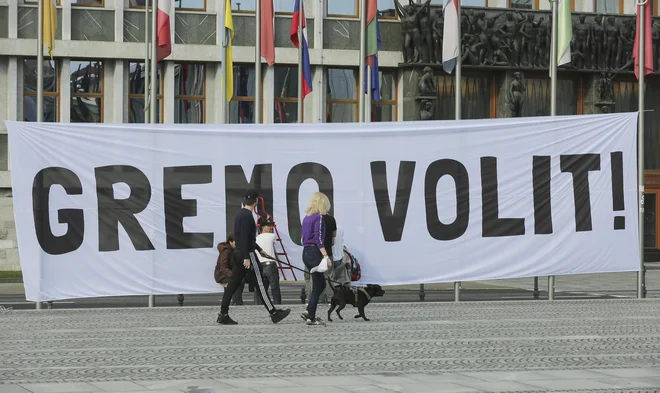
(362, 62)
(301, 9)
(222, 98)
(640, 143)
(553, 101)
(147, 66)
(154, 62)
(458, 95)
(40, 64)
(257, 66)
(367, 98)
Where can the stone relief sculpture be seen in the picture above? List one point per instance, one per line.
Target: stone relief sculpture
(517, 95)
(521, 39)
(605, 90)
(427, 93)
(427, 111)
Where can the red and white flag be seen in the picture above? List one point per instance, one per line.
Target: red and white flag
(648, 41)
(267, 32)
(163, 38)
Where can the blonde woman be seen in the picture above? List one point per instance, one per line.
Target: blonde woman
(315, 256)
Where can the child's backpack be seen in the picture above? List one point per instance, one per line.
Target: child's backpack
(354, 266)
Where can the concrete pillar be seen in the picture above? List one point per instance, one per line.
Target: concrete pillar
(168, 69)
(119, 101)
(13, 19)
(399, 96)
(269, 95)
(119, 19)
(66, 20)
(315, 101)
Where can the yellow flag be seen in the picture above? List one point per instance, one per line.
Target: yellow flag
(50, 25)
(229, 36)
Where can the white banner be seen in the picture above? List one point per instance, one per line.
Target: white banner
(131, 209)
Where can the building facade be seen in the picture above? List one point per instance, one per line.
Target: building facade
(97, 72)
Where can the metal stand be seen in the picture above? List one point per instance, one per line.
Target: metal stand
(152, 301)
(39, 305)
(457, 291)
(422, 294)
(536, 288)
(551, 288)
(50, 305)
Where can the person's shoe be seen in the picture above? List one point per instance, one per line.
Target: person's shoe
(224, 319)
(304, 316)
(279, 315)
(316, 322)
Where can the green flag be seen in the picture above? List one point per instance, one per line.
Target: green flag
(564, 32)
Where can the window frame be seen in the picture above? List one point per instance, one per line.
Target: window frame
(202, 98)
(277, 98)
(394, 101)
(133, 96)
(177, 9)
(100, 95)
(57, 94)
(354, 101)
(102, 5)
(356, 15)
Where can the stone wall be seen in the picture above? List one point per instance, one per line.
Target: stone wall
(8, 246)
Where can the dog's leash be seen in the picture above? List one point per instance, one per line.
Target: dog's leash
(299, 269)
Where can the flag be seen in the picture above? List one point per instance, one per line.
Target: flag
(373, 45)
(450, 41)
(564, 31)
(229, 36)
(163, 36)
(49, 25)
(267, 32)
(648, 41)
(293, 34)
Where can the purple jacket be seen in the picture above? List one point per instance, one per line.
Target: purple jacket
(313, 230)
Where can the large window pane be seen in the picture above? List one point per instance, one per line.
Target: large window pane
(341, 113)
(342, 7)
(607, 6)
(383, 112)
(342, 83)
(86, 83)
(92, 3)
(190, 4)
(189, 111)
(189, 79)
(521, 4)
(286, 81)
(286, 112)
(30, 108)
(241, 112)
(386, 8)
(244, 81)
(243, 5)
(284, 6)
(30, 75)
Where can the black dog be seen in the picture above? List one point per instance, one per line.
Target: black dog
(358, 297)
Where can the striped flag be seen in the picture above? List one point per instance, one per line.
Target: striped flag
(450, 41)
(373, 45)
(49, 26)
(163, 36)
(229, 36)
(293, 34)
(648, 41)
(564, 32)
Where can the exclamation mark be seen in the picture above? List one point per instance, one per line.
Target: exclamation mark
(617, 189)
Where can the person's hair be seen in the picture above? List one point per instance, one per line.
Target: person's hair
(230, 237)
(318, 204)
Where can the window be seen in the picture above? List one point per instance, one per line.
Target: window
(139, 3)
(608, 6)
(286, 94)
(189, 93)
(285, 6)
(385, 110)
(342, 103)
(136, 85)
(86, 91)
(88, 3)
(51, 90)
(247, 6)
(241, 106)
(521, 4)
(342, 8)
(189, 5)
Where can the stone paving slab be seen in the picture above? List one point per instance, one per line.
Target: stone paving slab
(580, 346)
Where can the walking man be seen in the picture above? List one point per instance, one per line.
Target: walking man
(245, 231)
(266, 240)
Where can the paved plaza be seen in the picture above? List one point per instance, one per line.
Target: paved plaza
(514, 346)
